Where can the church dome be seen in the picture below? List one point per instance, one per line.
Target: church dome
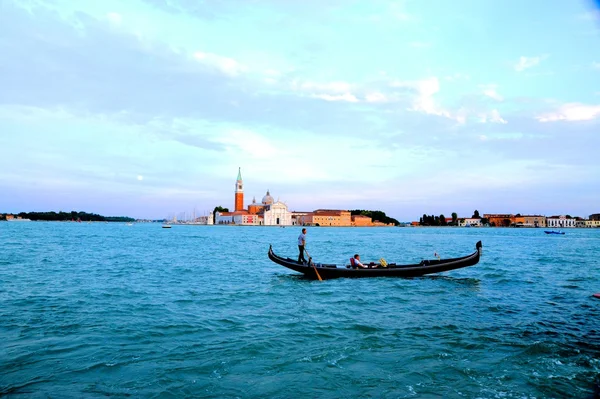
(267, 199)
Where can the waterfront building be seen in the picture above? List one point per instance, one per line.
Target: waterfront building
(594, 216)
(592, 223)
(534, 221)
(469, 222)
(277, 214)
(560, 221)
(301, 218)
(329, 217)
(361, 221)
(208, 219)
(499, 219)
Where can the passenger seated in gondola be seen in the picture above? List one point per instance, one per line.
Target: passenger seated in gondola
(356, 263)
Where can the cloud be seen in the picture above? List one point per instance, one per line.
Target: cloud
(376, 97)
(526, 63)
(493, 117)
(340, 97)
(490, 91)
(572, 112)
(114, 18)
(228, 66)
(457, 77)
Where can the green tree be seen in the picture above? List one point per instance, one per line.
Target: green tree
(476, 214)
(219, 209)
(454, 218)
(443, 220)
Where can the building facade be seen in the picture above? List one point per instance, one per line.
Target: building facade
(277, 214)
(361, 221)
(560, 221)
(534, 221)
(327, 217)
(469, 222)
(499, 219)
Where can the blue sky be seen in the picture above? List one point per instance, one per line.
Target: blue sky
(147, 108)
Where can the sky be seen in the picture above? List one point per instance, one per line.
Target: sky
(147, 108)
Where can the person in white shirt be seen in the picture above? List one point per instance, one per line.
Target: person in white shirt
(358, 263)
(301, 244)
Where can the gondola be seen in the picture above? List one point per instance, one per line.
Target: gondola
(329, 271)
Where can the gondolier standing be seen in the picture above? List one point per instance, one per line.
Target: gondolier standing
(301, 244)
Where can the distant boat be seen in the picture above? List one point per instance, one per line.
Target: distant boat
(18, 220)
(166, 226)
(129, 224)
(554, 232)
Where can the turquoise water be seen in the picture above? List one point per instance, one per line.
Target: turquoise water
(97, 310)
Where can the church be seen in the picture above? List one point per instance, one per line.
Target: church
(266, 213)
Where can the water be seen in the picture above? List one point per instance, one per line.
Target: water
(96, 310)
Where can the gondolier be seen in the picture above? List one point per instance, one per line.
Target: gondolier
(301, 244)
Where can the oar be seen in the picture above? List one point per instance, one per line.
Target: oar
(314, 267)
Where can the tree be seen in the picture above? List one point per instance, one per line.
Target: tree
(443, 220)
(476, 214)
(506, 222)
(219, 209)
(454, 218)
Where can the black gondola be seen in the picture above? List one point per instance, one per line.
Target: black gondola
(328, 271)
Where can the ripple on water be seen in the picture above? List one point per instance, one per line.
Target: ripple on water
(200, 311)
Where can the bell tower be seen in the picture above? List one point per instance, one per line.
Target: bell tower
(239, 192)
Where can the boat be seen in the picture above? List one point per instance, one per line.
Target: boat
(328, 271)
(554, 232)
(18, 220)
(166, 226)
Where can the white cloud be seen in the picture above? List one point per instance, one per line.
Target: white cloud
(226, 65)
(114, 18)
(328, 91)
(526, 63)
(457, 77)
(337, 97)
(493, 117)
(424, 101)
(328, 87)
(140, 177)
(376, 97)
(249, 143)
(572, 112)
(490, 91)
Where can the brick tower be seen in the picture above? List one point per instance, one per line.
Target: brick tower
(239, 192)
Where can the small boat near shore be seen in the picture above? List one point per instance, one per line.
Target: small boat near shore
(554, 232)
(329, 271)
(166, 226)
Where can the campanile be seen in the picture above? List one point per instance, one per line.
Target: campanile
(239, 192)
